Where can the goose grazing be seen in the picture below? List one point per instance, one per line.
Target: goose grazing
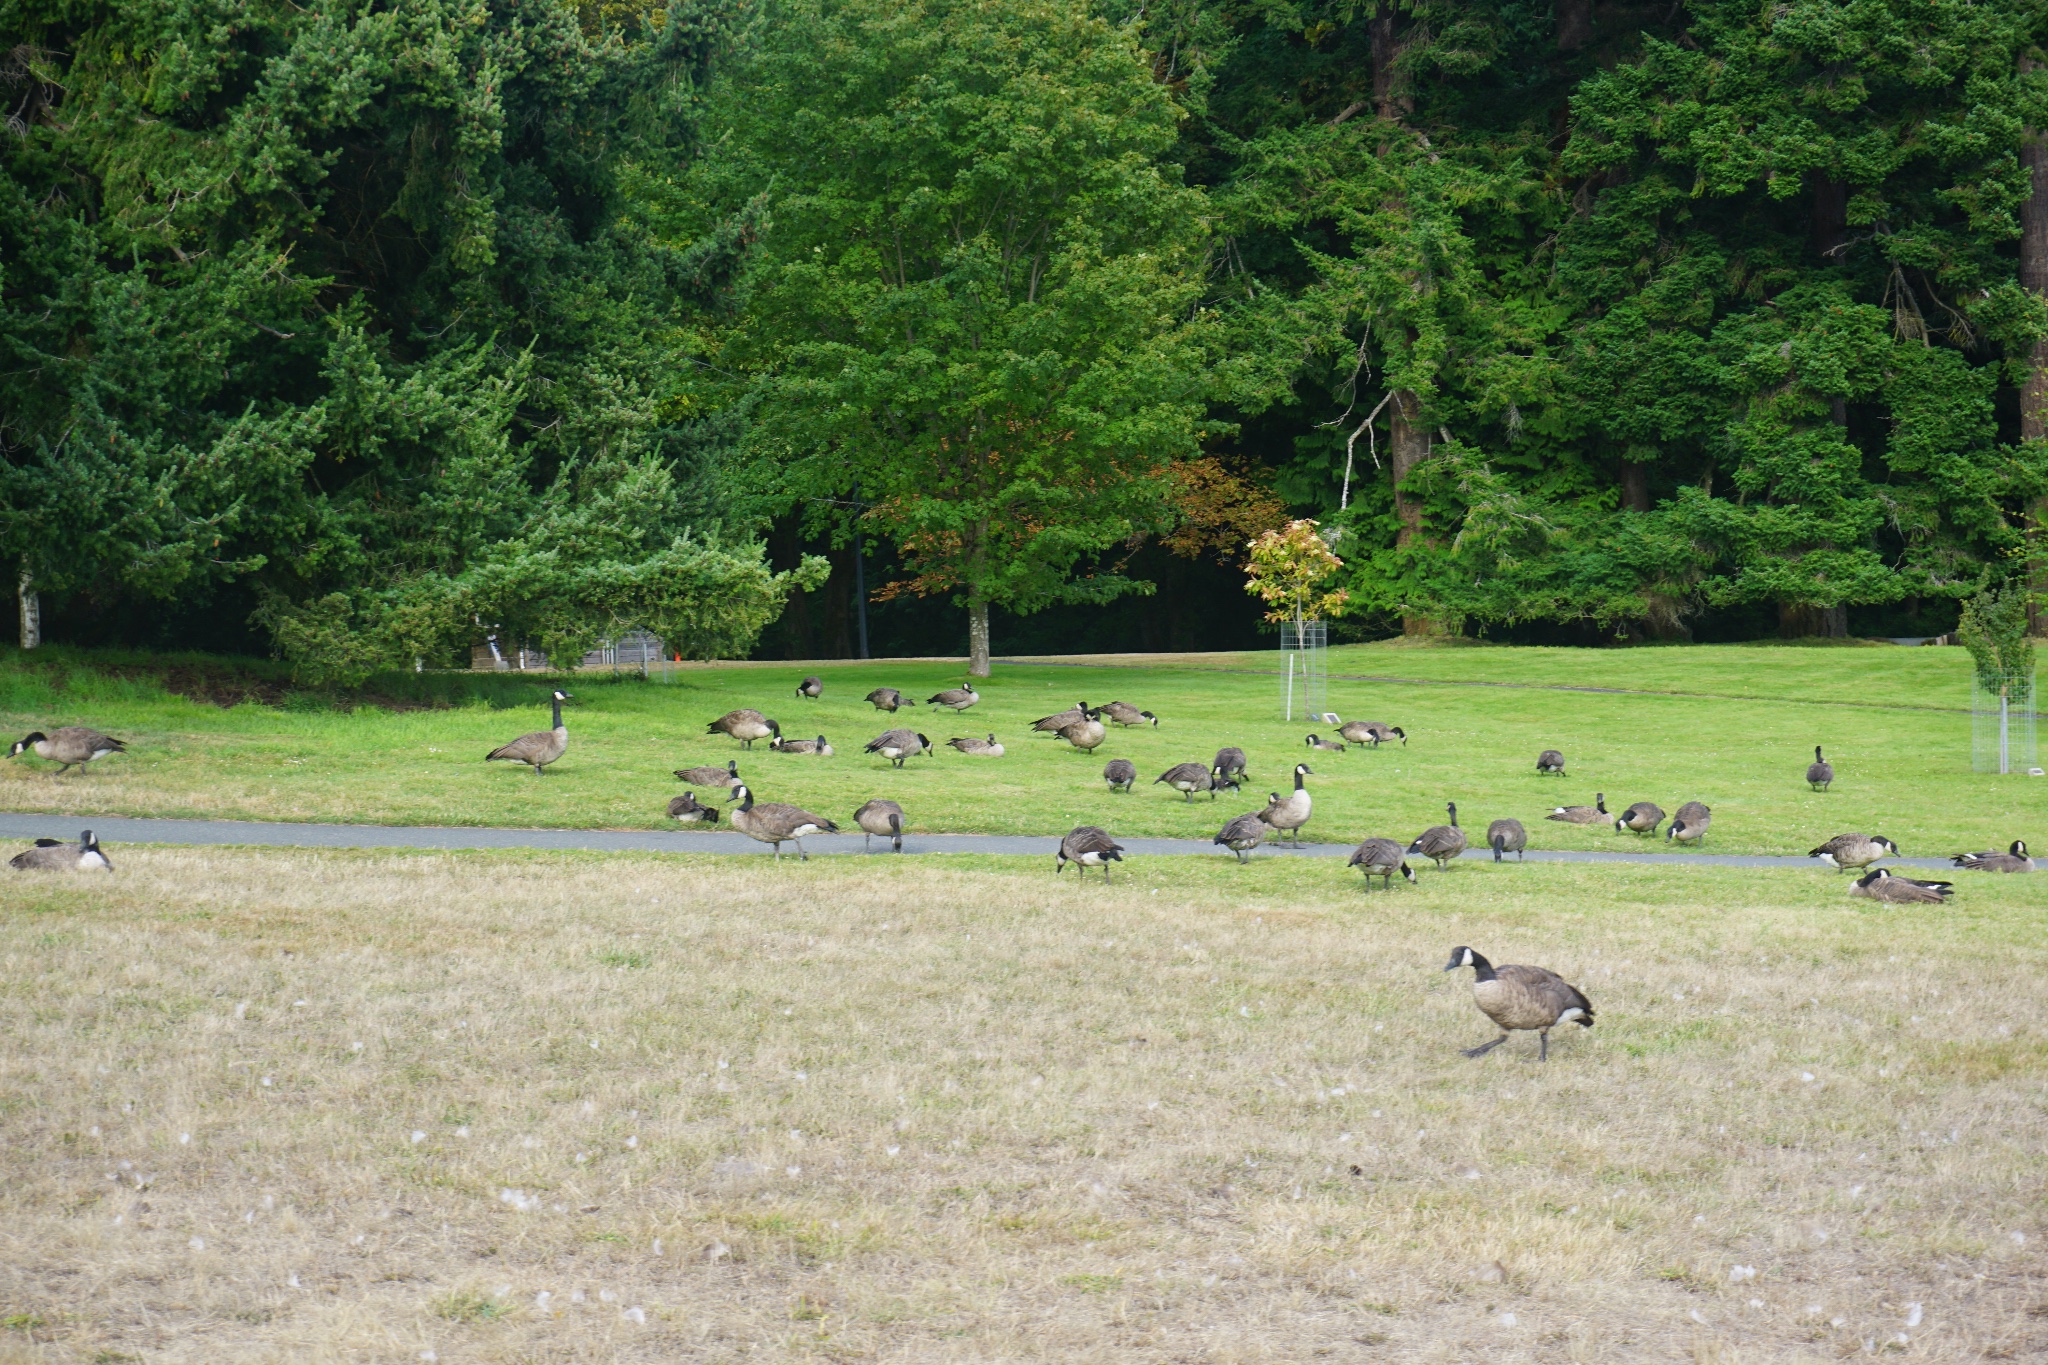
(1851, 851)
(1882, 884)
(1189, 778)
(746, 726)
(816, 746)
(897, 745)
(1372, 732)
(1595, 814)
(539, 748)
(1229, 765)
(709, 776)
(74, 746)
(1123, 713)
(2014, 859)
(1521, 998)
(1441, 843)
(1059, 720)
(1689, 826)
(1820, 774)
(1243, 834)
(956, 698)
(50, 855)
(1328, 746)
(1641, 818)
(812, 687)
(1120, 773)
(1088, 847)
(888, 699)
(1507, 836)
(1550, 761)
(1287, 815)
(1086, 733)
(1381, 858)
(776, 823)
(880, 817)
(687, 809)
(983, 748)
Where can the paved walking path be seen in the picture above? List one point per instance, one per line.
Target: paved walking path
(113, 829)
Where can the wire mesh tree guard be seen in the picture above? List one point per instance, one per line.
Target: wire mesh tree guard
(1305, 667)
(2002, 727)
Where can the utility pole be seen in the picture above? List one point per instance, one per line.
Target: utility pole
(860, 575)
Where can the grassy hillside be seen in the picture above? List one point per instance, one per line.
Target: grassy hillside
(1733, 726)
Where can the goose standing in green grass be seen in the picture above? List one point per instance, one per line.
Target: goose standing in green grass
(687, 809)
(1641, 818)
(1059, 720)
(775, 822)
(1820, 774)
(74, 746)
(1189, 778)
(1689, 826)
(710, 775)
(1441, 843)
(882, 817)
(2014, 859)
(1507, 836)
(1289, 813)
(1088, 846)
(1123, 713)
(1229, 765)
(1243, 834)
(888, 699)
(955, 698)
(1550, 761)
(1521, 999)
(1120, 773)
(897, 745)
(745, 725)
(51, 855)
(1085, 734)
(812, 687)
(1381, 858)
(540, 747)
(1851, 851)
(1374, 732)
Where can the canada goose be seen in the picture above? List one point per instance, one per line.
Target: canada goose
(1120, 772)
(1595, 814)
(1088, 847)
(1550, 761)
(690, 811)
(880, 817)
(1689, 826)
(74, 746)
(897, 745)
(1230, 764)
(1373, 732)
(816, 746)
(2014, 859)
(539, 748)
(1291, 813)
(1327, 746)
(1521, 998)
(1641, 818)
(1085, 734)
(746, 726)
(776, 823)
(812, 687)
(956, 698)
(710, 776)
(1123, 713)
(1851, 851)
(1441, 842)
(1059, 720)
(1507, 836)
(1243, 834)
(1882, 884)
(985, 748)
(1189, 778)
(49, 855)
(888, 699)
(1381, 858)
(1820, 774)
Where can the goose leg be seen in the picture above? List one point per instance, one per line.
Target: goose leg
(1485, 1048)
(1543, 1050)
(801, 856)
(867, 843)
(1105, 872)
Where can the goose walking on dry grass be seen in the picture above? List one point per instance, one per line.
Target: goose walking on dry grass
(888, 699)
(883, 817)
(1441, 843)
(1189, 778)
(1229, 765)
(1085, 734)
(1507, 836)
(74, 746)
(1381, 858)
(1521, 999)
(1883, 884)
(51, 855)
(2014, 859)
(775, 822)
(897, 745)
(745, 725)
(1641, 818)
(1595, 814)
(1689, 826)
(1059, 720)
(710, 775)
(540, 747)
(1289, 813)
(1120, 773)
(812, 687)
(956, 698)
(1243, 834)
(688, 810)
(1088, 846)
(1820, 774)
(1123, 713)
(1851, 851)
(1550, 761)
(981, 748)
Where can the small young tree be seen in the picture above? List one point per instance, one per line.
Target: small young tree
(1286, 570)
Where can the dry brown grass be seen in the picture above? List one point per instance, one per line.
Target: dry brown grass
(955, 1110)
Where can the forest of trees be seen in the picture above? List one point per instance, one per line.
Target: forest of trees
(353, 329)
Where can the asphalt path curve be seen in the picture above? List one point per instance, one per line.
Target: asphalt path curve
(115, 830)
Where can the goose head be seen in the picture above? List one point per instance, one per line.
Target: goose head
(2018, 849)
(739, 793)
(561, 696)
(1452, 807)
(1460, 957)
(1885, 844)
(924, 744)
(1302, 770)
(20, 745)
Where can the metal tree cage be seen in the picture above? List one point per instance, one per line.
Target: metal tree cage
(1304, 668)
(2002, 722)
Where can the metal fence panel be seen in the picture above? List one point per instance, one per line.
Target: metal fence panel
(1304, 668)
(2002, 723)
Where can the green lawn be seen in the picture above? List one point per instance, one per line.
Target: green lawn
(1736, 731)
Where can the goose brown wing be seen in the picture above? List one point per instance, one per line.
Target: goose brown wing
(1089, 839)
(1553, 990)
(1243, 827)
(1376, 853)
(524, 749)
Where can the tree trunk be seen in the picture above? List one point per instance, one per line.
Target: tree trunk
(977, 637)
(1389, 86)
(31, 612)
(1574, 24)
(1830, 220)
(2034, 393)
(1408, 447)
(1798, 620)
(1635, 485)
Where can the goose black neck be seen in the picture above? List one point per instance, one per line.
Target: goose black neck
(747, 801)
(1452, 807)
(1297, 782)
(558, 713)
(1482, 969)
